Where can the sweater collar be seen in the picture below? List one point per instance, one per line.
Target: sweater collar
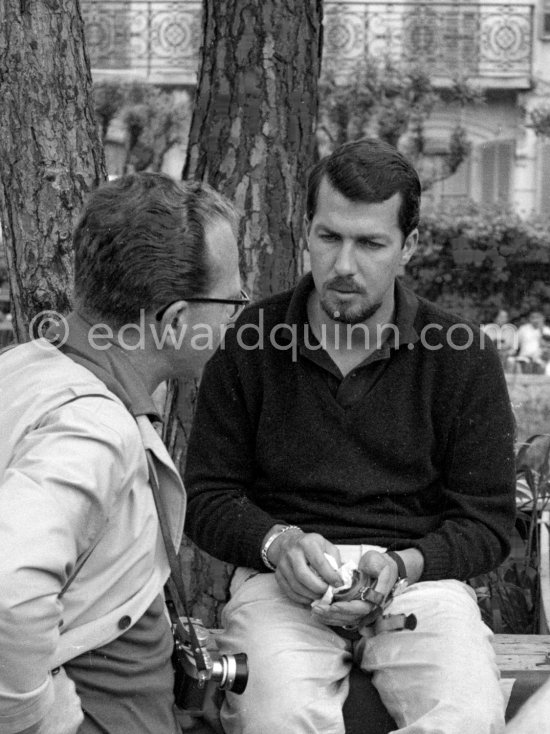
(112, 366)
(406, 307)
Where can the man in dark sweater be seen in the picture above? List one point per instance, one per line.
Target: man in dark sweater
(350, 422)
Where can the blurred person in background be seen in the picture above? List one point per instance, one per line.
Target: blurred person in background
(503, 334)
(533, 344)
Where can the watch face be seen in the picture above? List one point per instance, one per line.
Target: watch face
(400, 587)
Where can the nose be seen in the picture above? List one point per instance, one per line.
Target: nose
(345, 261)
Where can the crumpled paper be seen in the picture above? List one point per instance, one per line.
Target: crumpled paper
(346, 573)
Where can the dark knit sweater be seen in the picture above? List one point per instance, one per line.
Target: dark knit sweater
(421, 456)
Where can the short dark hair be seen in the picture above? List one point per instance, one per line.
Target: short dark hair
(498, 311)
(370, 171)
(140, 243)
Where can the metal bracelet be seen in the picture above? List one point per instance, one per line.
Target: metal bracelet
(270, 540)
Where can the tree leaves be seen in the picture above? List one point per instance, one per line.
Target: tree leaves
(393, 102)
(473, 260)
(154, 119)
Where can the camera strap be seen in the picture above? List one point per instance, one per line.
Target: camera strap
(176, 587)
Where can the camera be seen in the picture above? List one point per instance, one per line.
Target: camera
(360, 582)
(192, 687)
(362, 589)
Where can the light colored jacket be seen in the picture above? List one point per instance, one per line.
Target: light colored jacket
(73, 475)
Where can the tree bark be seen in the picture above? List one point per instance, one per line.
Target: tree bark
(50, 150)
(253, 129)
(252, 137)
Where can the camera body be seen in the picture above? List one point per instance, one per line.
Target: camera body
(362, 589)
(360, 582)
(194, 687)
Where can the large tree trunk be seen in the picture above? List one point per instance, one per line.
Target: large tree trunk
(50, 151)
(253, 129)
(252, 137)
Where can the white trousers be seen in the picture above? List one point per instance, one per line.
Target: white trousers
(441, 678)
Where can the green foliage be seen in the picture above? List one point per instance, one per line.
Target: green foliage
(109, 97)
(154, 119)
(509, 597)
(393, 102)
(377, 96)
(473, 260)
(539, 119)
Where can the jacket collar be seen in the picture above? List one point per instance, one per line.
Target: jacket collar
(111, 365)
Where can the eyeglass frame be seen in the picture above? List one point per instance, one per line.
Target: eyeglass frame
(243, 301)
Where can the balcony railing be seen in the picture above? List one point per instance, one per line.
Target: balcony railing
(485, 41)
(492, 42)
(158, 39)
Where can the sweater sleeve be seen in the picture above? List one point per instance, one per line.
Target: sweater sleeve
(478, 502)
(220, 466)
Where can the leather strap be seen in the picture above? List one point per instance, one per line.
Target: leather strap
(372, 597)
(175, 582)
(401, 568)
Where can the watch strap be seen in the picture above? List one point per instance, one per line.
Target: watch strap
(373, 597)
(401, 568)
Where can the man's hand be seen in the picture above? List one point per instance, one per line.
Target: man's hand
(303, 572)
(378, 566)
(384, 569)
(65, 715)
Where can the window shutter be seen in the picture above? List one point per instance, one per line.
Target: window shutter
(488, 166)
(496, 160)
(543, 198)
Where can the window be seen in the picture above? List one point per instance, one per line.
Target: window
(543, 187)
(496, 165)
(545, 21)
(456, 188)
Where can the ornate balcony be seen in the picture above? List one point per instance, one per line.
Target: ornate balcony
(491, 43)
(157, 40)
(488, 42)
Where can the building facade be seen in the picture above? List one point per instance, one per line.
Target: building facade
(502, 48)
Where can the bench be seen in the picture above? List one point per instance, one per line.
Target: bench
(525, 658)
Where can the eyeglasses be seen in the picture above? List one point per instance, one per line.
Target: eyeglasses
(237, 303)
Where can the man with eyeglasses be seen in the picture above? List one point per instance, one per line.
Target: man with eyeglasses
(384, 440)
(237, 304)
(85, 644)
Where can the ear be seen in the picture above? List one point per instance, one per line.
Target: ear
(409, 247)
(172, 322)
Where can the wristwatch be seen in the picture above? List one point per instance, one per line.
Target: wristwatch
(402, 580)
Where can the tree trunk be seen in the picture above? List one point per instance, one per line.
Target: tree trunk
(253, 129)
(50, 150)
(252, 137)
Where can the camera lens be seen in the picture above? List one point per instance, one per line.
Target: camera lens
(231, 672)
(237, 675)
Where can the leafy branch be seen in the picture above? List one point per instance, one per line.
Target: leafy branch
(393, 102)
(539, 120)
(154, 119)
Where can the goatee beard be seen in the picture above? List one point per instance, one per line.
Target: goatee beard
(347, 314)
